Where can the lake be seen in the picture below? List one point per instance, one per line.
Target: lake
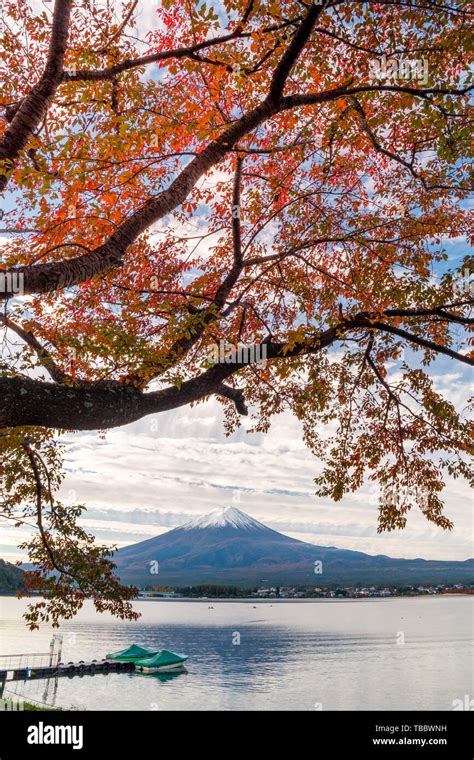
(356, 654)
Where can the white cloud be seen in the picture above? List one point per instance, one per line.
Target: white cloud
(139, 483)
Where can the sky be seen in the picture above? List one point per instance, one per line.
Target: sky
(146, 478)
(143, 479)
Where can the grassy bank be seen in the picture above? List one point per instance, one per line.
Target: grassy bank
(9, 704)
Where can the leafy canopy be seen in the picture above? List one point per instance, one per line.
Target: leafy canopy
(244, 172)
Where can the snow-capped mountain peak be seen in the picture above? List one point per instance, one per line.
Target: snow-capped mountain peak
(227, 546)
(226, 517)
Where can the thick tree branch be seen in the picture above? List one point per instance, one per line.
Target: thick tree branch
(293, 51)
(33, 107)
(236, 213)
(99, 405)
(438, 311)
(236, 395)
(307, 99)
(424, 342)
(41, 278)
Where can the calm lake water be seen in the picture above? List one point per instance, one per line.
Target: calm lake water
(387, 654)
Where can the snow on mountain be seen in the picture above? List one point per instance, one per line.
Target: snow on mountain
(223, 518)
(228, 546)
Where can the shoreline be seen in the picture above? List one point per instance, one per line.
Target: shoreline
(269, 600)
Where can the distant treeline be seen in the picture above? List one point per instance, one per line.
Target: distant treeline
(11, 578)
(214, 590)
(217, 590)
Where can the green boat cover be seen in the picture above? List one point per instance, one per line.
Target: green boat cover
(161, 659)
(132, 652)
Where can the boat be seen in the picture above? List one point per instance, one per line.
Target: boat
(132, 653)
(161, 662)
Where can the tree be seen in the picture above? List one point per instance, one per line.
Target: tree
(280, 174)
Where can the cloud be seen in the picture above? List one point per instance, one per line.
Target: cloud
(143, 480)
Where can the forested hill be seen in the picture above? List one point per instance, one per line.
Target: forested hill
(10, 577)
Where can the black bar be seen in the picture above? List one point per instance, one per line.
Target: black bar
(342, 734)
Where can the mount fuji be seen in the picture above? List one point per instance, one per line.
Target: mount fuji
(228, 546)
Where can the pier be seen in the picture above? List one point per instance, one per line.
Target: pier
(69, 669)
(22, 667)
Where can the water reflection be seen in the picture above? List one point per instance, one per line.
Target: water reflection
(285, 657)
(162, 677)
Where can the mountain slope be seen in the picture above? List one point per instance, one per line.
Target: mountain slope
(11, 578)
(228, 546)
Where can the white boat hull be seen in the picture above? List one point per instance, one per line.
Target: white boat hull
(161, 669)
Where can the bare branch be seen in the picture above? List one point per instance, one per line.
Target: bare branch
(42, 353)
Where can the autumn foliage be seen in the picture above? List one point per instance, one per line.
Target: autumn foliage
(247, 172)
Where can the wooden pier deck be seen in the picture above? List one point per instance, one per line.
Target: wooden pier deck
(68, 669)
